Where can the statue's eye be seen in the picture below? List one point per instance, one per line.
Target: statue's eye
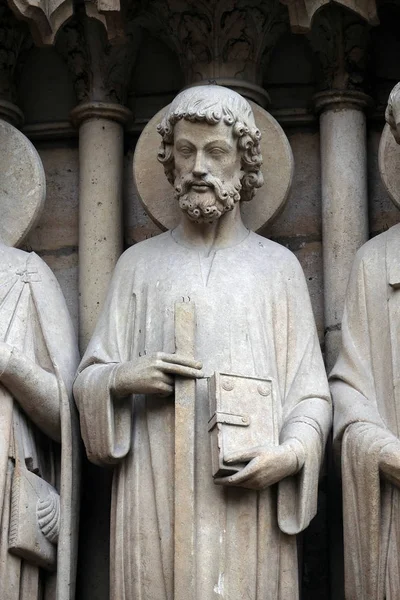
(217, 151)
(185, 151)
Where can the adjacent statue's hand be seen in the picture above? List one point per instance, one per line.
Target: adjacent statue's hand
(154, 374)
(268, 465)
(389, 462)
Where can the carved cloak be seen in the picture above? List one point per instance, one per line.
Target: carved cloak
(365, 387)
(34, 318)
(253, 318)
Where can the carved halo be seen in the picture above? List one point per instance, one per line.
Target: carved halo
(389, 164)
(22, 185)
(157, 195)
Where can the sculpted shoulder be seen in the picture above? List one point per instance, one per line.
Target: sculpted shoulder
(144, 251)
(12, 257)
(273, 255)
(372, 255)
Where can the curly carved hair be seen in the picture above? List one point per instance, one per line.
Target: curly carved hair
(212, 104)
(394, 99)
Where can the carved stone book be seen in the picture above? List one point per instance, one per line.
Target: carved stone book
(243, 416)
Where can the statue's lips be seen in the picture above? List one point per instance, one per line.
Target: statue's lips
(200, 187)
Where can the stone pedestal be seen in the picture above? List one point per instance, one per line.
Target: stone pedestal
(344, 199)
(101, 131)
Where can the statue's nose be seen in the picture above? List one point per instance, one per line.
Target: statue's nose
(200, 167)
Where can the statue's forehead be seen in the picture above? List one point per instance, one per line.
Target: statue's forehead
(200, 132)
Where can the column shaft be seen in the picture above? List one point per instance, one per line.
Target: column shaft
(344, 205)
(100, 207)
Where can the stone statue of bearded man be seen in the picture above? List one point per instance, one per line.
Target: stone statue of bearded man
(248, 293)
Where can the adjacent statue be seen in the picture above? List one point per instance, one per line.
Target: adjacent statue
(365, 387)
(38, 358)
(214, 322)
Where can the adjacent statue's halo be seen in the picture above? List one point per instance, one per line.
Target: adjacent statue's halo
(389, 164)
(157, 195)
(22, 185)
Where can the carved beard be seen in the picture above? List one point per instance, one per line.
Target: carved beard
(208, 206)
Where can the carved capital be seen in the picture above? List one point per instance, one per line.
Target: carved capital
(340, 40)
(216, 39)
(101, 71)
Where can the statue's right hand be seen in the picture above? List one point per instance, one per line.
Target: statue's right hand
(389, 462)
(154, 374)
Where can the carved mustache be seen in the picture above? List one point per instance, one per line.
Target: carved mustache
(187, 182)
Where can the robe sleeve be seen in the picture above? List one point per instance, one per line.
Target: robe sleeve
(106, 420)
(306, 407)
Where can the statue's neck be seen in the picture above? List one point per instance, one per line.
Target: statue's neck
(228, 230)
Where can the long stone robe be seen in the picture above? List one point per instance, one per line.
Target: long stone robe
(365, 387)
(253, 318)
(35, 320)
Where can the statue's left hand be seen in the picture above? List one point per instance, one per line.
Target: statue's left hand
(267, 465)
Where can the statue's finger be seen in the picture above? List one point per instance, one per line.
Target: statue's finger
(182, 371)
(165, 378)
(244, 475)
(163, 389)
(241, 455)
(179, 359)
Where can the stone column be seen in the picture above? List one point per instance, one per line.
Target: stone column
(344, 199)
(101, 135)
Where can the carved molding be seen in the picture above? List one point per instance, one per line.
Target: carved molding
(100, 110)
(302, 12)
(101, 70)
(336, 99)
(216, 39)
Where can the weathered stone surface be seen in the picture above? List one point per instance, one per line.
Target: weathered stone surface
(301, 216)
(57, 228)
(310, 258)
(65, 267)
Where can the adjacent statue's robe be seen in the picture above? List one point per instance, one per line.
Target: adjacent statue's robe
(365, 384)
(253, 318)
(35, 320)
